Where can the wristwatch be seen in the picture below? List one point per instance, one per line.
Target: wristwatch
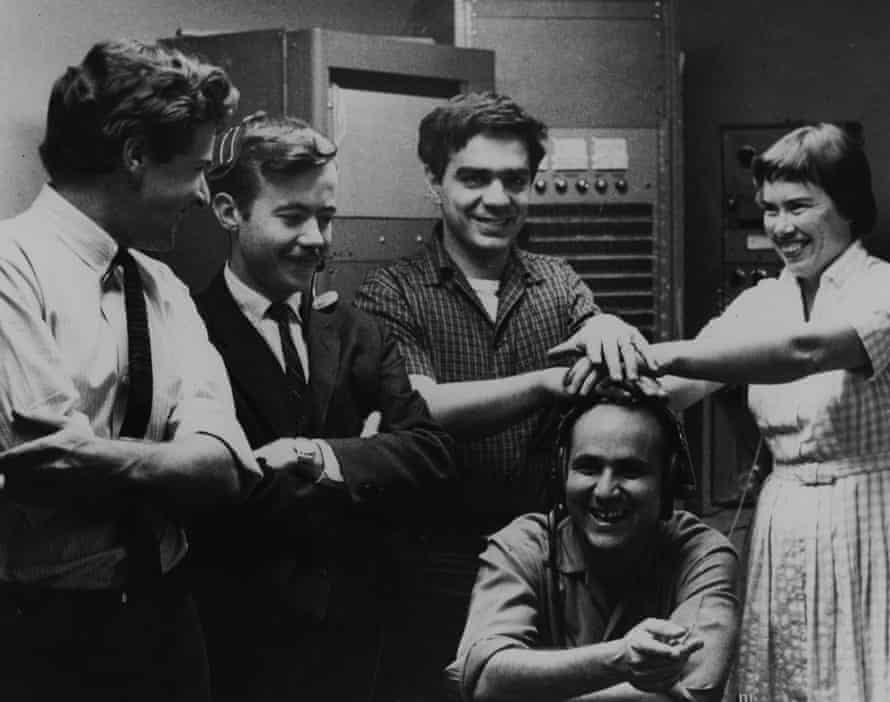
(309, 454)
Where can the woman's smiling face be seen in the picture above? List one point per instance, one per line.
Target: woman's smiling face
(804, 225)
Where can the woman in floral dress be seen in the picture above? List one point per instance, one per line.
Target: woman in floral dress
(814, 345)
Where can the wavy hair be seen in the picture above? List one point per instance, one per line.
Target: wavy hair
(125, 89)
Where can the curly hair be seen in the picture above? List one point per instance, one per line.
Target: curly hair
(263, 147)
(125, 89)
(828, 156)
(447, 129)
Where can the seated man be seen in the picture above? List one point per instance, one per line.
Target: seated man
(477, 319)
(614, 595)
(292, 584)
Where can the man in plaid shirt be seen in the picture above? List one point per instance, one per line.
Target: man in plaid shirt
(478, 320)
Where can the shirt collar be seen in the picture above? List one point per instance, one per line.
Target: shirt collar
(441, 267)
(841, 269)
(253, 304)
(847, 264)
(82, 235)
(571, 557)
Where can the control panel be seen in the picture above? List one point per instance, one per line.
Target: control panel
(748, 254)
(589, 166)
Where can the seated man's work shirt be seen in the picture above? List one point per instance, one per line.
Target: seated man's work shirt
(690, 577)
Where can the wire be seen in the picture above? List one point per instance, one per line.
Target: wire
(749, 483)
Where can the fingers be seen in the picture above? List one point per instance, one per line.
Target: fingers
(566, 347)
(645, 351)
(663, 629)
(576, 375)
(629, 356)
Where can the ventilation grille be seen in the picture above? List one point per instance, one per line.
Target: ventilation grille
(611, 246)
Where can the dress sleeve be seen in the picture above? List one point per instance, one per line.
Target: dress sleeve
(506, 607)
(707, 604)
(868, 311)
(383, 295)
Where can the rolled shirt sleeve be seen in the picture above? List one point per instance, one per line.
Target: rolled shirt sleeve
(505, 609)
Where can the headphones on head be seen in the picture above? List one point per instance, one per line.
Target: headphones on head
(678, 479)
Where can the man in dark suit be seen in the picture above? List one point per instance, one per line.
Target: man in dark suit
(293, 585)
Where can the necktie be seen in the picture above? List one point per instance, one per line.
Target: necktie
(293, 367)
(143, 555)
(139, 344)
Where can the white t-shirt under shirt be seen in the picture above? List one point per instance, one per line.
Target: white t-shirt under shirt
(487, 292)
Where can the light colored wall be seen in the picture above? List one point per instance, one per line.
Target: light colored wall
(40, 38)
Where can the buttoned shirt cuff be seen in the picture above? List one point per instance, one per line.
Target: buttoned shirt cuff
(331, 470)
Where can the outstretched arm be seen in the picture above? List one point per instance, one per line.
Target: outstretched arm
(767, 356)
(476, 408)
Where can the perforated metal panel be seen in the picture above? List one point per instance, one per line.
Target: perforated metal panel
(611, 246)
(603, 75)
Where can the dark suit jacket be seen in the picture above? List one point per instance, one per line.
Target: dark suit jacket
(296, 552)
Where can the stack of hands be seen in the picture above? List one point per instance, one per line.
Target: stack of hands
(605, 346)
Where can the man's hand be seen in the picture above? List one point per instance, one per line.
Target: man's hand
(300, 455)
(654, 654)
(607, 339)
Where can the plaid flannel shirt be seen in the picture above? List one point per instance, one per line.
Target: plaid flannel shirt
(444, 332)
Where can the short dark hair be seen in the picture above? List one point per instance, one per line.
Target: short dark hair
(678, 480)
(829, 156)
(126, 89)
(266, 147)
(447, 129)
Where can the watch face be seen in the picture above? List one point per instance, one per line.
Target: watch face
(304, 454)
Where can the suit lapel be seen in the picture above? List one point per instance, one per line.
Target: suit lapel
(324, 360)
(252, 365)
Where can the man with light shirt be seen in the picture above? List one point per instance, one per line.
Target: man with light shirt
(116, 414)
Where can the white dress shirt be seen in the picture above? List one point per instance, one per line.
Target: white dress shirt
(64, 358)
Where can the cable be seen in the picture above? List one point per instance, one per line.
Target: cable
(748, 485)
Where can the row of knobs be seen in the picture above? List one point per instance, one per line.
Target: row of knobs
(582, 185)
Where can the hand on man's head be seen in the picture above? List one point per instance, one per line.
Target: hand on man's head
(609, 341)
